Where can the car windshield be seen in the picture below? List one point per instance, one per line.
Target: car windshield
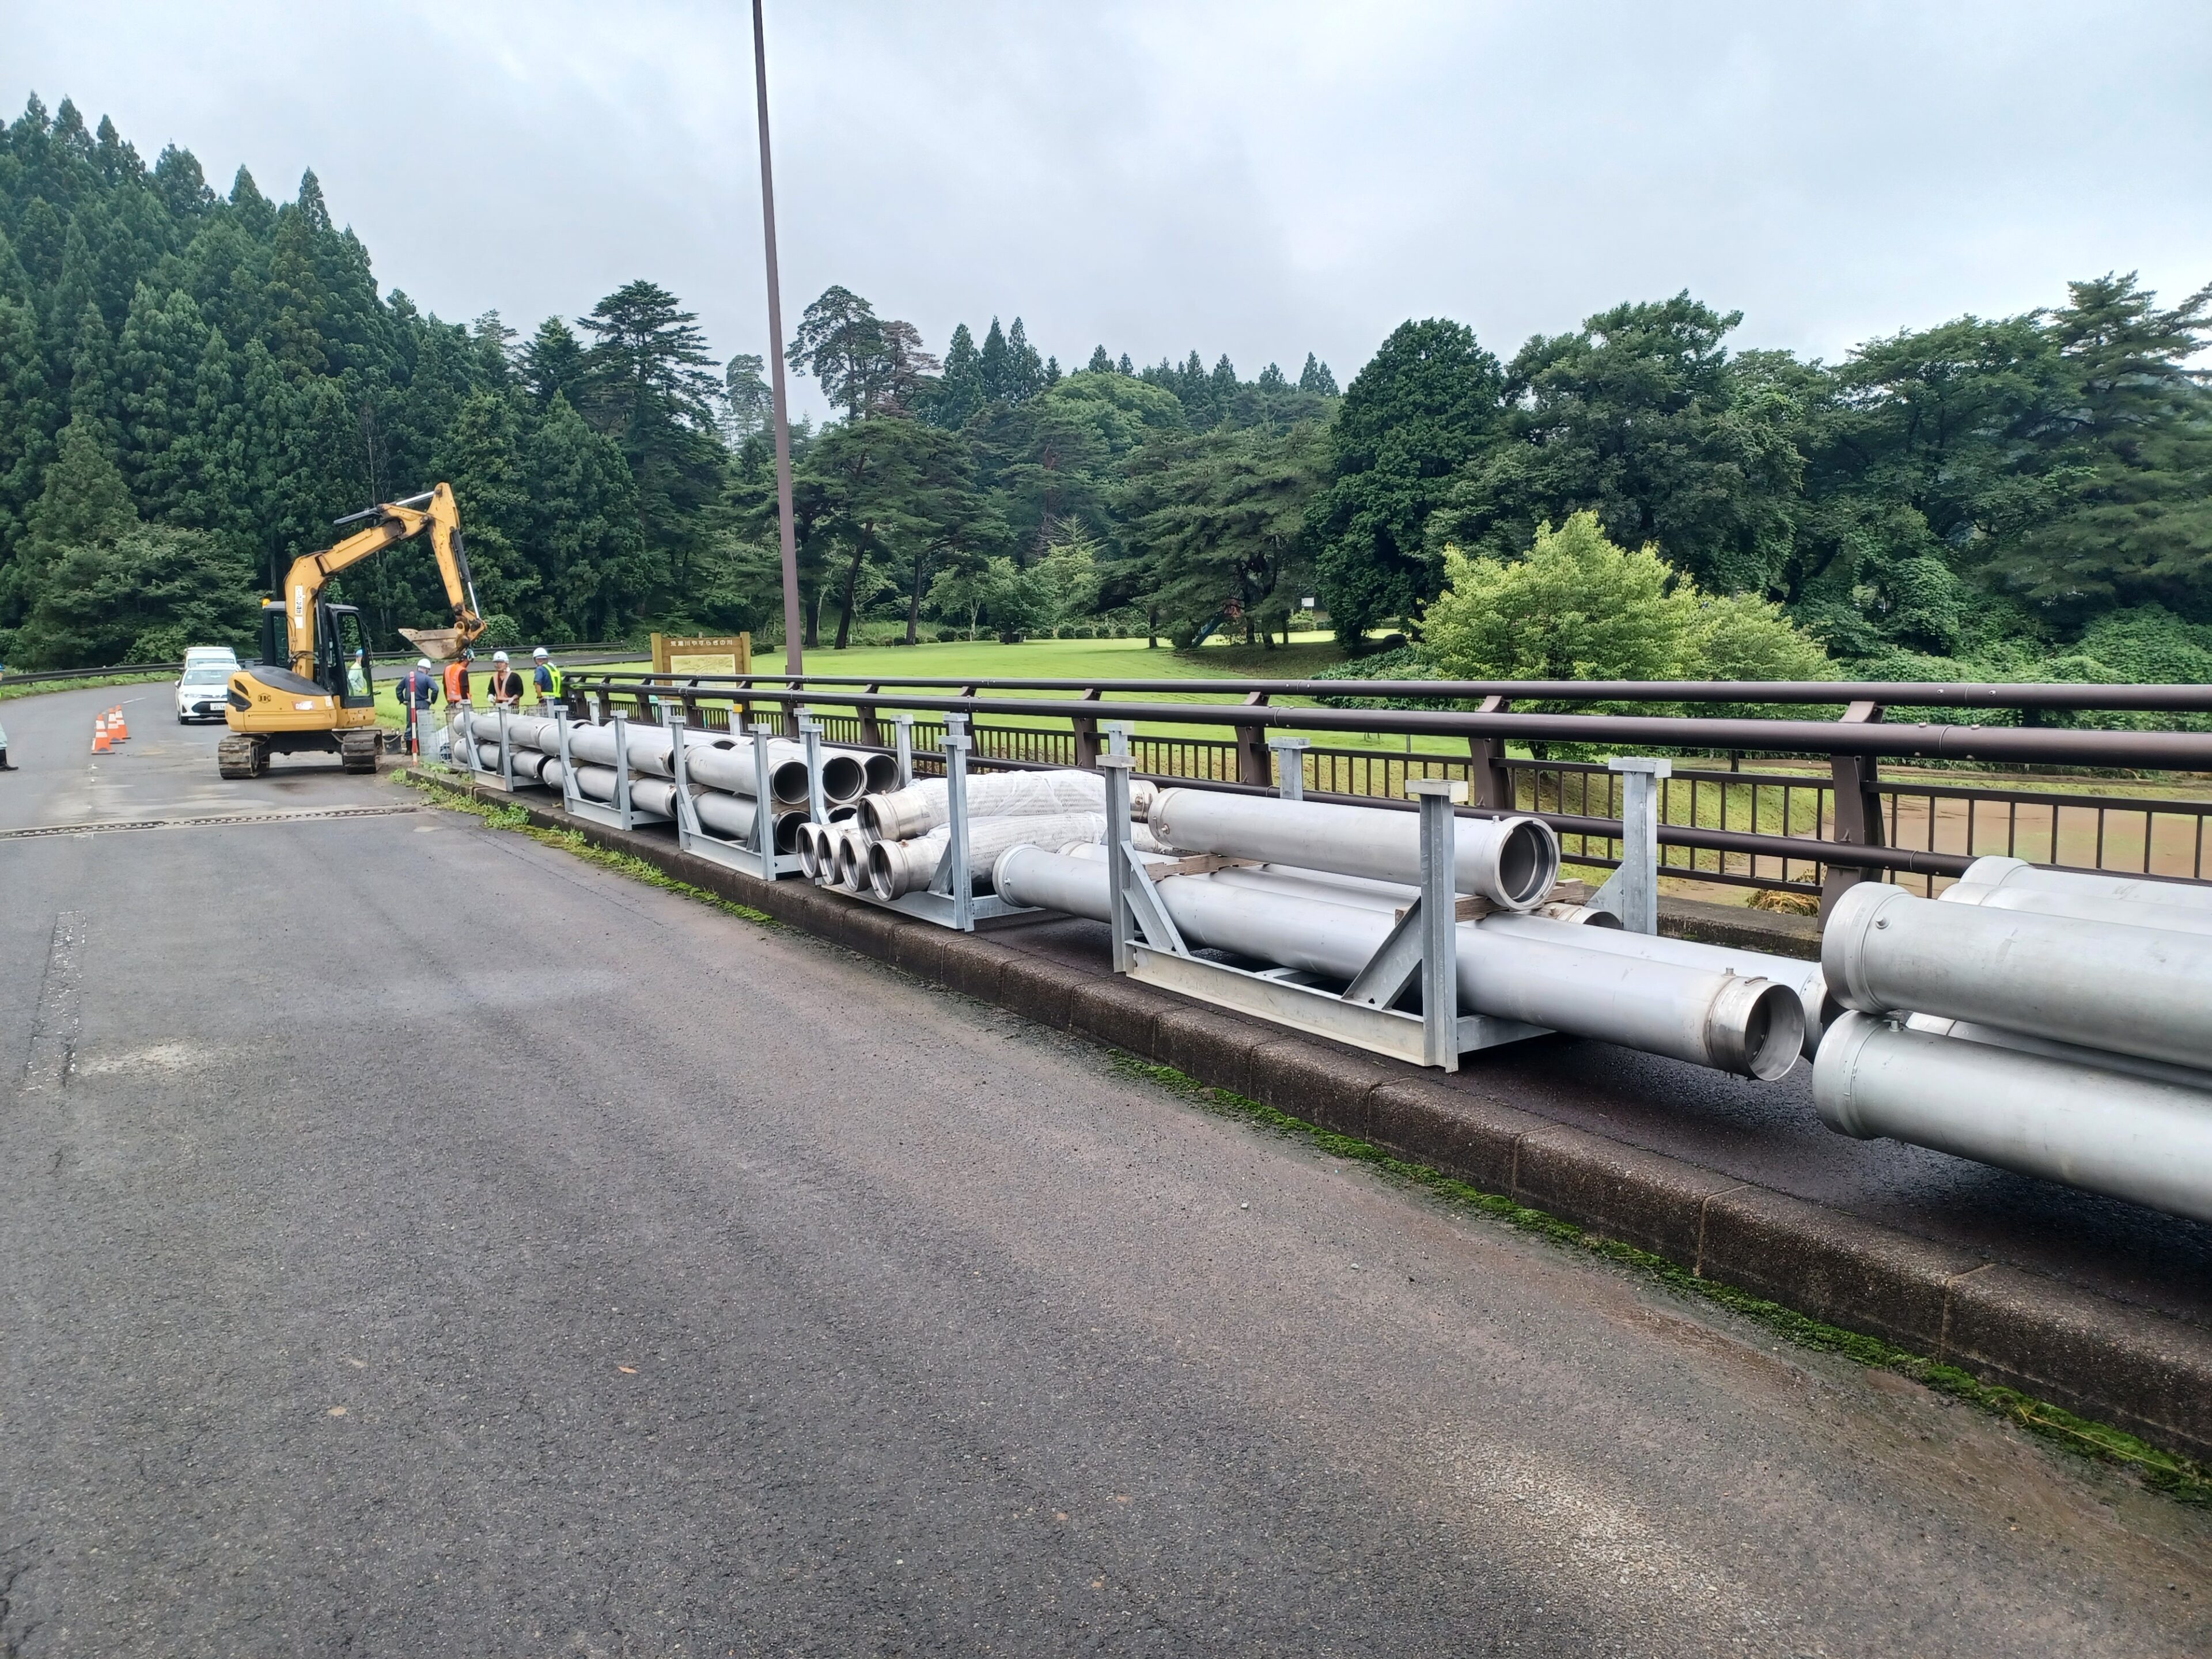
(206, 674)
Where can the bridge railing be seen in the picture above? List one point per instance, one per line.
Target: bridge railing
(1783, 803)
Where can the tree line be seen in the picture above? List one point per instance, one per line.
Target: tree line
(194, 385)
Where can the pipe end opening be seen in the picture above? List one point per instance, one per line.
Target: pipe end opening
(1528, 862)
(1757, 1028)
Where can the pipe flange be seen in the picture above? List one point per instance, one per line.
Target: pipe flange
(1843, 942)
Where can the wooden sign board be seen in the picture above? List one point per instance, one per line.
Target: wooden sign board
(702, 653)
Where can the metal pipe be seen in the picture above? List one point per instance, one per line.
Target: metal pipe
(2081, 907)
(731, 817)
(2101, 985)
(736, 771)
(1510, 861)
(1725, 1021)
(895, 867)
(597, 781)
(881, 770)
(1967, 1031)
(1595, 930)
(808, 843)
(851, 849)
(2017, 875)
(903, 814)
(2127, 1136)
(528, 763)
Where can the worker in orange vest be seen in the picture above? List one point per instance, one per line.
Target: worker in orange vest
(456, 680)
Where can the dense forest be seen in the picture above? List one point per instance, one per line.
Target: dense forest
(194, 385)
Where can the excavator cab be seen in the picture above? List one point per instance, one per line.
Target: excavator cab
(342, 647)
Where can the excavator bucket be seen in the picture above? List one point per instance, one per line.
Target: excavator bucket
(438, 644)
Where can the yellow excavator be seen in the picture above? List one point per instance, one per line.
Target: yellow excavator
(312, 689)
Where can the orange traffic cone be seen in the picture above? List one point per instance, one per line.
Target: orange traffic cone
(117, 730)
(99, 743)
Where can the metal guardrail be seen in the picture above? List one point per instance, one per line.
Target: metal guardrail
(596, 653)
(1793, 831)
(63, 676)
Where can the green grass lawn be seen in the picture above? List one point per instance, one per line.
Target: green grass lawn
(1066, 659)
(1092, 661)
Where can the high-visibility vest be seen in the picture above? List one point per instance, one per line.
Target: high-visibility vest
(457, 681)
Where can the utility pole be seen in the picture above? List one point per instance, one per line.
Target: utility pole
(794, 621)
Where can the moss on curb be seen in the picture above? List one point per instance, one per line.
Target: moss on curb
(494, 816)
(2181, 1478)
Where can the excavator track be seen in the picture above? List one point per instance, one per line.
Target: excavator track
(238, 756)
(359, 749)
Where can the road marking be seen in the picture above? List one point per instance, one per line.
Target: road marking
(54, 1027)
(103, 824)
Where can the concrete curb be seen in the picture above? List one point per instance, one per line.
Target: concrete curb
(2137, 1369)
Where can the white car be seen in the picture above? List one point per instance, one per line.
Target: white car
(203, 691)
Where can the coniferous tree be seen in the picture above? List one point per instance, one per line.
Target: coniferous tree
(1100, 363)
(29, 415)
(553, 362)
(748, 401)
(840, 341)
(1314, 377)
(1222, 386)
(995, 367)
(1430, 399)
(84, 499)
(649, 386)
(157, 366)
(597, 571)
(1024, 369)
(960, 390)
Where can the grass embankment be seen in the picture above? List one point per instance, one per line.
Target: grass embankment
(2181, 1478)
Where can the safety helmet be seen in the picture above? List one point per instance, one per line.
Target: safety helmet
(539, 652)
(499, 656)
(421, 662)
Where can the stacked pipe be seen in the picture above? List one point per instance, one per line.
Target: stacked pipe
(2055, 1023)
(850, 850)
(722, 770)
(1320, 897)
(894, 843)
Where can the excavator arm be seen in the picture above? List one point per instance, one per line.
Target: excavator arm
(434, 513)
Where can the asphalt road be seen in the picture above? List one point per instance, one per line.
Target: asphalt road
(657, 1282)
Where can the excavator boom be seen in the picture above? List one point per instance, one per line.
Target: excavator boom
(433, 512)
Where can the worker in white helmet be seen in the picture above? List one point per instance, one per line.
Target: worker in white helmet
(506, 683)
(545, 675)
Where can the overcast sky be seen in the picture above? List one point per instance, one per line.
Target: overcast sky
(1262, 180)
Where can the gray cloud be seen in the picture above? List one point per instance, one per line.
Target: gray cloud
(1258, 179)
